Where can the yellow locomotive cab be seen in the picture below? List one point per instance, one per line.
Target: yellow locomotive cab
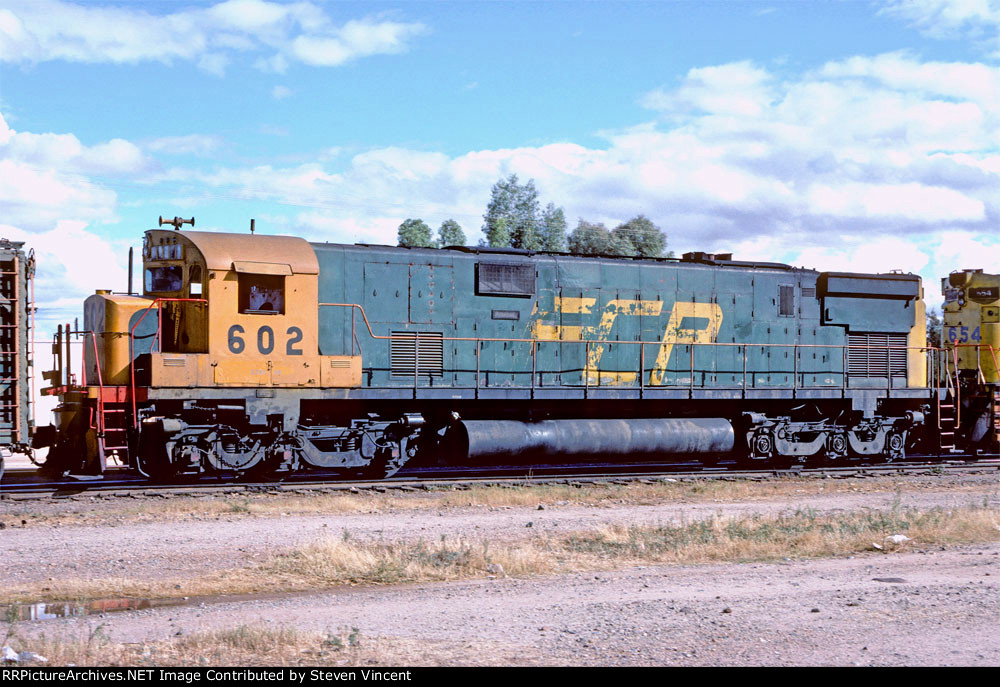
(231, 319)
(971, 322)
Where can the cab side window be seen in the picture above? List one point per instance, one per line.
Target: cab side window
(194, 281)
(261, 294)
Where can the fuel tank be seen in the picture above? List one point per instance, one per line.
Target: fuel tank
(474, 440)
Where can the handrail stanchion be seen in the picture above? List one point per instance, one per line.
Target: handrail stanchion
(691, 380)
(744, 370)
(958, 394)
(534, 367)
(642, 368)
(843, 376)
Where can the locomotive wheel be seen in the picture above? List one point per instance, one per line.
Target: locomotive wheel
(381, 466)
(894, 445)
(154, 453)
(265, 470)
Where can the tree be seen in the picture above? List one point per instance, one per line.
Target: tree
(638, 237)
(553, 229)
(511, 218)
(647, 240)
(450, 234)
(590, 239)
(413, 233)
(933, 328)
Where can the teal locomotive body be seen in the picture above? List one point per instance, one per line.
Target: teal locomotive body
(250, 352)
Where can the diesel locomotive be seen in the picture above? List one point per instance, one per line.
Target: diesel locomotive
(249, 354)
(970, 411)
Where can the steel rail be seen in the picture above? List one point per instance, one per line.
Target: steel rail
(504, 474)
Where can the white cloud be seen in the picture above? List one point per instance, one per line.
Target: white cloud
(355, 39)
(39, 30)
(191, 144)
(47, 177)
(862, 162)
(738, 88)
(281, 92)
(71, 262)
(913, 202)
(50, 201)
(975, 19)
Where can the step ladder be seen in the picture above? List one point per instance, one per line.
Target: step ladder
(112, 431)
(949, 412)
(947, 425)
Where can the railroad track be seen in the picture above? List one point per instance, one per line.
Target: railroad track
(21, 485)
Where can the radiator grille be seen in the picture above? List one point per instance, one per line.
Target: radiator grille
(505, 279)
(786, 301)
(403, 352)
(876, 355)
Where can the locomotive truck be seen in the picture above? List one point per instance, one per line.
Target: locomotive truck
(256, 354)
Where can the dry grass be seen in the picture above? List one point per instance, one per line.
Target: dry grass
(755, 538)
(342, 561)
(256, 645)
(94, 512)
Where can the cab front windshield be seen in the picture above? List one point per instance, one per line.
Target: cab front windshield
(164, 279)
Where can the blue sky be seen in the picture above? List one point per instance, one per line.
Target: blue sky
(834, 135)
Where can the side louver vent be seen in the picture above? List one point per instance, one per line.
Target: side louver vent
(504, 279)
(876, 355)
(403, 354)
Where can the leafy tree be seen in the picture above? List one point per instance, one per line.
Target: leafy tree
(553, 229)
(646, 238)
(637, 237)
(934, 328)
(413, 233)
(511, 217)
(620, 243)
(498, 235)
(590, 239)
(450, 234)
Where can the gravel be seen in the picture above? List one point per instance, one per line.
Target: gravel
(915, 607)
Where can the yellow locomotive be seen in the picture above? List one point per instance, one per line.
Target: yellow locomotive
(971, 340)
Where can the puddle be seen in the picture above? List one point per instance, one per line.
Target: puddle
(51, 610)
(66, 609)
